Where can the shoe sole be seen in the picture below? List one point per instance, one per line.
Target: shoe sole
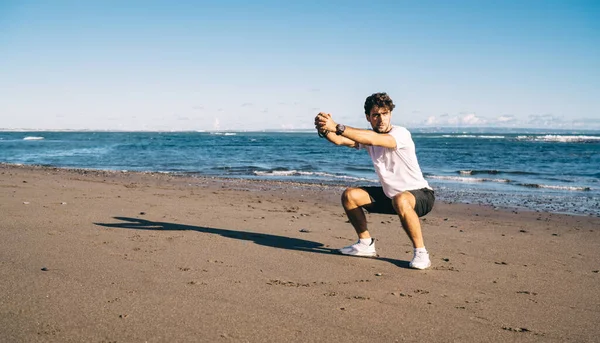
(359, 255)
(414, 267)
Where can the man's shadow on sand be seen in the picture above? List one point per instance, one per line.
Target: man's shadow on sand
(269, 240)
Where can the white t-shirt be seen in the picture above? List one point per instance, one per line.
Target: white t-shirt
(398, 169)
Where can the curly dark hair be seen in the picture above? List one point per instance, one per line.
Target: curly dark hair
(381, 100)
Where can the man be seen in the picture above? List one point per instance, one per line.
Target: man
(403, 189)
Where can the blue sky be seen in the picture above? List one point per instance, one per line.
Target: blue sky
(200, 65)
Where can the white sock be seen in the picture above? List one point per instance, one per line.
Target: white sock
(420, 250)
(366, 241)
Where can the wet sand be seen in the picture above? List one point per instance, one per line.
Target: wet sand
(91, 256)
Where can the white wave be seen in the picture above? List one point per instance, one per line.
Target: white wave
(343, 177)
(567, 188)
(466, 179)
(224, 133)
(474, 136)
(560, 138)
(33, 138)
(304, 173)
(562, 188)
(276, 173)
(459, 136)
(533, 185)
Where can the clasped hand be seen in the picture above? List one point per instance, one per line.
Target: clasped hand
(324, 122)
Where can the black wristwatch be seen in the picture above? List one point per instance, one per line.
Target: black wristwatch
(339, 129)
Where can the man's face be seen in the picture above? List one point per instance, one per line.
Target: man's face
(380, 119)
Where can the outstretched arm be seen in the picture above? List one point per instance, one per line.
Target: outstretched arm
(331, 136)
(324, 122)
(340, 140)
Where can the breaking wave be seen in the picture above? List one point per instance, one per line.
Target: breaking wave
(512, 182)
(492, 172)
(329, 176)
(475, 136)
(466, 179)
(562, 188)
(561, 138)
(224, 133)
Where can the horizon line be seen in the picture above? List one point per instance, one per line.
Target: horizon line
(435, 128)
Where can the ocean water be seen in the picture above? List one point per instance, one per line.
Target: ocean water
(551, 172)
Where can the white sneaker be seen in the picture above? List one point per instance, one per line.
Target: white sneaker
(360, 249)
(420, 260)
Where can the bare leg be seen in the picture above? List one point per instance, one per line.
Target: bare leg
(353, 199)
(404, 203)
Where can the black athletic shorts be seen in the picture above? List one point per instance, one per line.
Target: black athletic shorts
(425, 198)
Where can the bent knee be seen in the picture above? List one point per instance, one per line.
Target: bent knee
(404, 201)
(350, 194)
(355, 197)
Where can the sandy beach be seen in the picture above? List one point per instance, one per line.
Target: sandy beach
(90, 256)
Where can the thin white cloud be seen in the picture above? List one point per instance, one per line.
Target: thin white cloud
(545, 120)
(432, 121)
(586, 123)
(472, 120)
(463, 119)
(506, 118)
